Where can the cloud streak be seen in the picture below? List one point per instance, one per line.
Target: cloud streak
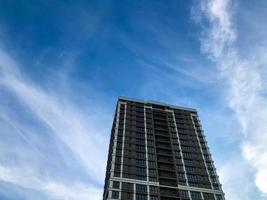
(57, 190)
(243, 78)
(55, 126)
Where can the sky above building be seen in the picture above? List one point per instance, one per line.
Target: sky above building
(63, 65)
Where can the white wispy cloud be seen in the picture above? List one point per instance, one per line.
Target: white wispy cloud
(54, 189)
(25, 151)
(244, 79)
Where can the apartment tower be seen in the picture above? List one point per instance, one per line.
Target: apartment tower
(159, 152)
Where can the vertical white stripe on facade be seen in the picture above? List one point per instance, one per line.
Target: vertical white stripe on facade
(115, 142)
(134, 191)
(147, 166)
(206, 143)
(123, 137)
(189, 193)
(201, 195)
(180, 148)
(205, 163)
(114, 150)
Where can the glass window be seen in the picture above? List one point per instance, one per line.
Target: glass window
(152, 179)
(141, 197)
(195, 195)
(182, 182)
(127, 195)
(151, 150)
(151, 156)
(141, 188)
(179, 161)
(181, 175)
(140, 155)
(141, 170)
(216, 187)
(139, 135)
(140, 148)
(115, 195)
(211, 172)
(184, 194)
(208, 196)
(214, 180)
(154, 198)
(116, 174)
(117, 167)
(116, 184)
(190, 169)
(188, 162)
(127, 186)
(118, 151)
(153, 189)
(149, 130)
(177, 153)
(140, 162)
(140, 141)
(192, 178)
(150, 143)
(140, 177)
(119, 145)
(180, 168)
(152, 172)
(219, 197)
(151, 164)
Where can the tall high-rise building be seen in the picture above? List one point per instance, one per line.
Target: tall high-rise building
(159, 152)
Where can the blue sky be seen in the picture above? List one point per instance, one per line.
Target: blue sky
(64, 64)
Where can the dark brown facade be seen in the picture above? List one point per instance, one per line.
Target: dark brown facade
(159, 152)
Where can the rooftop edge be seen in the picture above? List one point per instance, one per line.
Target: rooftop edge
(156, 103)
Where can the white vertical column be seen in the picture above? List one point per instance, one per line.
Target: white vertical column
(114, 150)
(216, 175)
(189, 193)
(123, 138)
(134, 191)
(180, 148)
(115, 141)
(201, 151)
(147, 168)
(120, 190)
(201, 195)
